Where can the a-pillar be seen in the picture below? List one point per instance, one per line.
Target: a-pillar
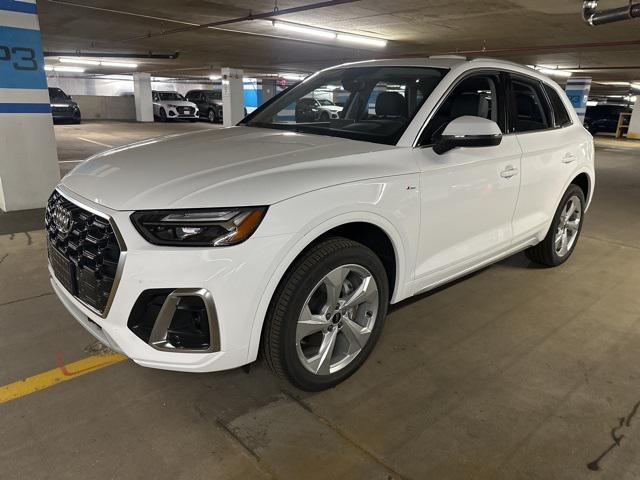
(142, 94)
(232, 96)
(28, 158)
(634, 122)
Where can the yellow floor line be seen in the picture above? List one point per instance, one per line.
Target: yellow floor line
(61, 374)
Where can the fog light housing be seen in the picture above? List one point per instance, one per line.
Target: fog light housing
(180, 320)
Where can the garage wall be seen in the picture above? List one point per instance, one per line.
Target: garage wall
(106, 107)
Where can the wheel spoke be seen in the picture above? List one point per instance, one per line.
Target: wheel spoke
(563, 245)
(366, 292)
(355, 335)
(571, 208)
(308, 324)
(321, 363)
(333, 283)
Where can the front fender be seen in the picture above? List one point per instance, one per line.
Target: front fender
(386, 203)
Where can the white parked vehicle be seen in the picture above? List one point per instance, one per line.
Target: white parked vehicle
(172, 106)
(293, 238)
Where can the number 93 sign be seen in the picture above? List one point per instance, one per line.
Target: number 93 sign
(21, 59)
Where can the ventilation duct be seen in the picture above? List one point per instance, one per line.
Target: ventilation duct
(593, 18)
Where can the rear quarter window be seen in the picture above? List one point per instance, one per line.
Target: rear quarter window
(560, 114)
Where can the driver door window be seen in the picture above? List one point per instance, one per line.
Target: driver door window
(478, 96)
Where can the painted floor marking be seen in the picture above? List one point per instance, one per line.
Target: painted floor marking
(97, 143)
(60, 374)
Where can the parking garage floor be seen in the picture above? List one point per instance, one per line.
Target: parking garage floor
(514, 372)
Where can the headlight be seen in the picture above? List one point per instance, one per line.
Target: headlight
(198, 228)
(172, 106)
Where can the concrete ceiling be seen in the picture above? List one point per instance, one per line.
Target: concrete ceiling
(548, 32)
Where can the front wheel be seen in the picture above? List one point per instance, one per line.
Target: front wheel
(563, 234)
(326, 315)
(211, 116)
(163, 115)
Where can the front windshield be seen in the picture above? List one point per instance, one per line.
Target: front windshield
(57, 94)
(169, 96)
(374, 104)
(214, 95)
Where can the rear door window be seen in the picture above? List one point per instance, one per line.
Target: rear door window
(530, 109)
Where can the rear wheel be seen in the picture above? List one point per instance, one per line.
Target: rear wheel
(565, 229)
(211, 116)
(326, 316)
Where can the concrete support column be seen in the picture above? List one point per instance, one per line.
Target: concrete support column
(577, 90)
(142, 93)
(269, 89)
(232, 96)
(28, 156)
(634, 122)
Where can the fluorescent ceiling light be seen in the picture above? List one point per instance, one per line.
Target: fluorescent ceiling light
(62, 68)
(118, 64)
(292, 76)
(635, 86)
(214, 77)
(373, 42)
(592, 103)
(553, 71)
(80, 61)
(315, 32)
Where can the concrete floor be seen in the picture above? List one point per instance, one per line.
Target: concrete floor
(515, 372)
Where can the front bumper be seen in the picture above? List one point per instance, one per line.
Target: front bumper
(173, 112)
(235, 277)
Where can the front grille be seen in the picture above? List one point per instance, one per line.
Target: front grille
(85, 259)
(186, 110)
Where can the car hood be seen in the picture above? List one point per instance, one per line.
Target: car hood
(237, 166)
(177, 103)
(332, 108)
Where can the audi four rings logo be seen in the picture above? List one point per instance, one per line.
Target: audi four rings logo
(62, 219)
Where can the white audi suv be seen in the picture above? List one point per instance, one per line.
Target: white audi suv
(290, 239)
(173, 106)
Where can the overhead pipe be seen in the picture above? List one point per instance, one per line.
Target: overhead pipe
(592, 17)
(156, 56)
(246, 18)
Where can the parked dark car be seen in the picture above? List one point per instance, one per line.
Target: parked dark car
(209, 103)
(63, 108)
(603, 118)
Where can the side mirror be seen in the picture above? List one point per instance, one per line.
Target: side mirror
(468, 131)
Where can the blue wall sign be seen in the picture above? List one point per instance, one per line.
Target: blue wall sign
(21, 59)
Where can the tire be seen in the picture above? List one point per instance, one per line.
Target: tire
(77, 118)
(163, 115)
(324, 117)
(547, 253)
(355, 331)
(211, 116)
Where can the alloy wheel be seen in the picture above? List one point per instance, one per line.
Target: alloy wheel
(568, 226)
(337, 319)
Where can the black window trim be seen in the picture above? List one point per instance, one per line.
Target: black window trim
(503, 99)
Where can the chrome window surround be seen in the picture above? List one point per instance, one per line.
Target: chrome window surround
(121, 258)
(158, 337)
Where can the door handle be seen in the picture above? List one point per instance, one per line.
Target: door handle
(509, 172)
(568, 158)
